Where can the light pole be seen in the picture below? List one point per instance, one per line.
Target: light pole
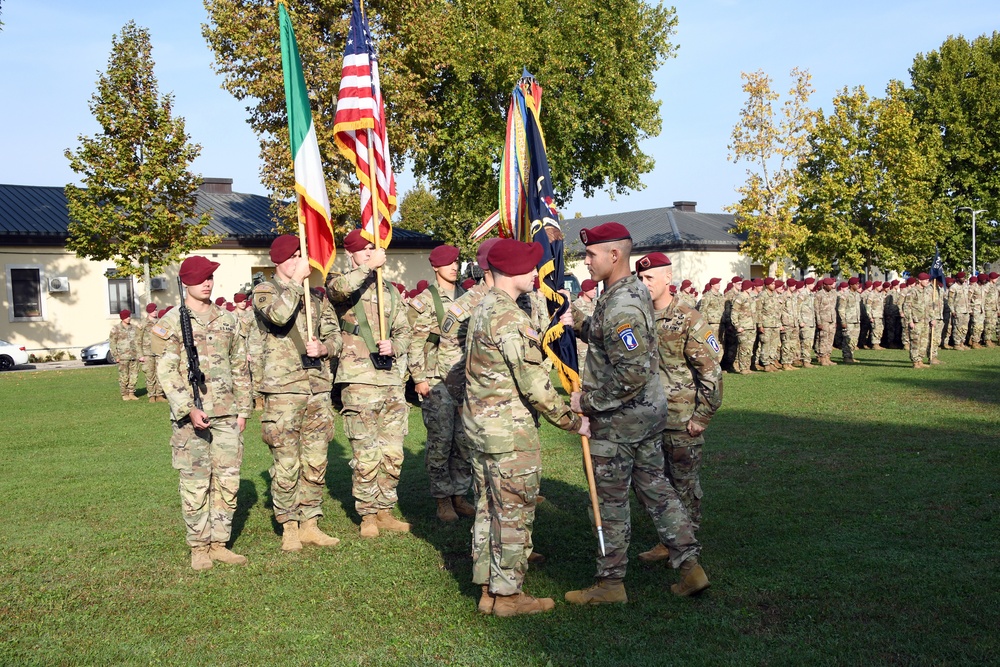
(974, 212)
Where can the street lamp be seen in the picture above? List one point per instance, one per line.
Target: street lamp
(973, 211)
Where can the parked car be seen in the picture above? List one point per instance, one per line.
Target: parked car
(11, 355)
(99, 353)
(571, 283)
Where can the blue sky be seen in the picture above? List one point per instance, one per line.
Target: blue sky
(52, 50)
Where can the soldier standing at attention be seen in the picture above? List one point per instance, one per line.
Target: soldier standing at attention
(807, 320)
(144, 346)
(849, 311)
(432, 355)
(920, 317)
(876, 314)
(990, 306)
(976, 312)
(692, 378)
(505, 376)
(585, 303)
(742, 314)
(624, 398)
(375, 411)
(122, 339)
(790, 353)
(206, 446)
(959, 302)
(769, 327)
(295, 382)
(826, 320)
(711, 307)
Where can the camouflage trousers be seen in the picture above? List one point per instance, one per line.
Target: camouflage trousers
(824, 342)
(505, 515)
(932, 336)
(790, 352)
(849, 339)
(918, 334)
(209, 465)
(807, 339)
(447, 457)
(960, 328)
(878, 326)
(376, 419)
(298, 429)
(770, 340)
(128, 374)
(977, 322)
(639, 466)
(990, 327)
(744, 349)
(153, 388)
(682, 453)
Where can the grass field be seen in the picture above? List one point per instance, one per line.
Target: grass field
(851, 516)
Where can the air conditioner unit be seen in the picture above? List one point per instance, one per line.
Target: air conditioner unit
(158, 284)
(60, 284)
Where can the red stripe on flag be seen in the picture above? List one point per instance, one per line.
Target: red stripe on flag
(319, 237)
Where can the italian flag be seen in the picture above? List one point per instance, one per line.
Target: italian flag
(310, 186)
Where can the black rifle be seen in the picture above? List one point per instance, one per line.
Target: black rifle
(195, 377)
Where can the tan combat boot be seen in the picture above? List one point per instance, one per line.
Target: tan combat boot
(368, 526)
(290, 537)
(806, 364)
(876, 346)
(463, 507)
(918, 364)
(219, 552)
(386, 521)
(309, 533)
(605, 591)
(659, 552)
(788, 367)
(446, 511)
(131, 396)
(693, 579)
(990, 343)
(486, 600)
(200, 559)
(520, 604)
(935, 361)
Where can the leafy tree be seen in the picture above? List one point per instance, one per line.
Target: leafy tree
(420, 210)
(955, 96)
(773, 147)
(867, 186)
(137, 203)
(447, 72)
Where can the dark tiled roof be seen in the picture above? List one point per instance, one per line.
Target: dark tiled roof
(37, 214)
(663, 229)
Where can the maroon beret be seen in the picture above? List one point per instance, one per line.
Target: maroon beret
(514, 258)
(150, 307)
(948, 281)
(895, 283)
(960, 275)
(588, 285)
(715, 281)
(124, 314)
(854, 280)
(162, 313)
(609, 231)
(355, 242)
(757, 282)
(221, 301)
(768, 281)
(923, 276)
(468, 283)
(737, 279)
(877, 283)
(401, 288)
(829, 280)
(911, 281)
(652, 261)
(673, 289)
(685, 283)
(483, 252)
(779, 284)
(994, 275)
(747, 284)
(239, 297)
(868, 284)
(197, 269)
(422, 285)
(810, 280)
(443, 255)
(231, 307)
(283, 247)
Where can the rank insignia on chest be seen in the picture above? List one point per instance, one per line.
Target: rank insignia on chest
(628, 336)
(710, 339)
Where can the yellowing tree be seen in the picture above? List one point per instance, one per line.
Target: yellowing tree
(772, 141)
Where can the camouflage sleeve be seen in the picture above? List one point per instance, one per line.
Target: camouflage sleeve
(239, 368)
(171, 371)
(329, 330)
(277, 305)
(581, 322)
(522, 350)
(706, 370)
(400, 332)
(630, 369)
(113, 341)
(339, 288)
(255, 350)
(422, 325)
(147, 343)
(842, 308)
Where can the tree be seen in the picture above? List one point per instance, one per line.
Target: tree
(138, 200)
(867, 186)
(447, 72)
(768, 200)
(955, 96)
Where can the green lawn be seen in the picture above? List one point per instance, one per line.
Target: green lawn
(850, 517)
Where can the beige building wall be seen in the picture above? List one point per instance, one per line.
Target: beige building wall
(694, 265)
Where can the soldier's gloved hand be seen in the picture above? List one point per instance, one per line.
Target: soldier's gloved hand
(199, 419)
(585, 427)
(422, 388)
(385, 348)
(574, 401)
(376, 259)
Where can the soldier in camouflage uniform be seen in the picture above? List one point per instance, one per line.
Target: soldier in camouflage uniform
(769, 327)
(144, 344)
(826, 321)
(692, 378)
(742, 314)
(711, 308)
(624, 397)
(375, 412)
(122, 340)
(432, 356)
(790, 353)
(505, 376)
(990, 306)
(730, 340)
(920, 317)
(807, 320)
(959, 306)
(585, 303)
(295, 382)
(849, 312)
(977, 313)
(206, 447)
(876, 314)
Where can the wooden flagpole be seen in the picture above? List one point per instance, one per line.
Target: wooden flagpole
(588, 466)
(304, 252)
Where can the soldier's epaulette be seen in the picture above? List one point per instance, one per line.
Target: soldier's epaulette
(160, 331)
(417, 305)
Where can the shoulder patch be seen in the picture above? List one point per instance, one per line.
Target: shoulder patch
(628, 336)
(456, 310)
(532, 335)
(160, 331)
(711, 341)
(417, 304)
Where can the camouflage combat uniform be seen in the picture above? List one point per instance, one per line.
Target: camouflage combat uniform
(806, 305)
(144, 343)
(876, 315)
(920, 317)
(692, 379)
(959, 303)
(790, 352)
(208, 460)
(376, 416)
(624, 398)
(506, 382)
(977, 314)
(297, 421)
(585, 306)
(849, 312)
(826, 322)
(711, 308)
(122, 341)
(990, 306)
(742, 314)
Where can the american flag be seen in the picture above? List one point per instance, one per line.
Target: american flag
(360, 122)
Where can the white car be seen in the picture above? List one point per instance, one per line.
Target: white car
(98, 353)
(11, 355)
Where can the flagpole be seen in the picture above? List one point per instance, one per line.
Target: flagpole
(304, 252)
(588, 466)
(377, 233)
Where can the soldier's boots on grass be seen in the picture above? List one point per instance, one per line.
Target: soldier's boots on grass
(520, 604)
(935, 362)
(386, 521)
(788, 367)
(486, 600)
(309, 533)
(657, 553)
(368, 526)
(200, 559)
(605, 591)
(807, 364)
(463, 507)
(446, 511)
(219, 553)
(290, 540)
(919, 364)
(693, 579)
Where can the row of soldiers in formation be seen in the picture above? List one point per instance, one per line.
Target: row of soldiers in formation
(651, 382)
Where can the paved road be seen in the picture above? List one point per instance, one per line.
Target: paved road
(52, 366)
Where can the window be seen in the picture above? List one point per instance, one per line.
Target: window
(24, 293)
(120, 295)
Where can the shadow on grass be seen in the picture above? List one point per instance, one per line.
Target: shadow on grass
(965, 383)
(246, 498)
